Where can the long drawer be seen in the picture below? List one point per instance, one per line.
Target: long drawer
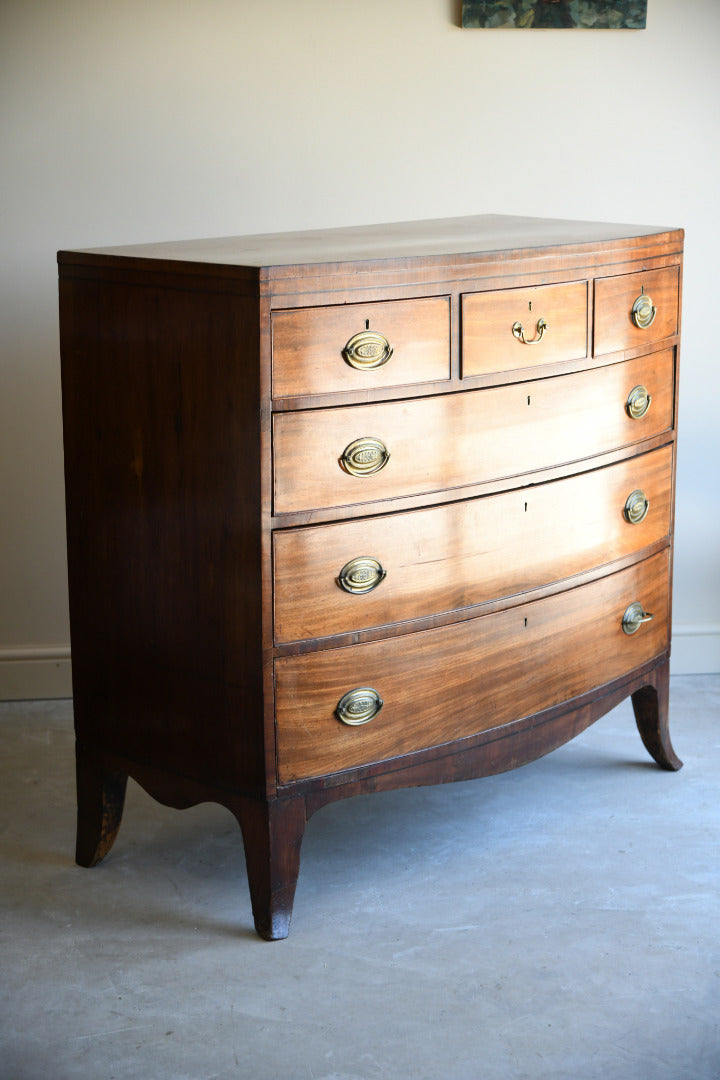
(451, 683)
(344, 456)
(352, 575)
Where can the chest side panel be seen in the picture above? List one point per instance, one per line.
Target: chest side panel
(161, 429)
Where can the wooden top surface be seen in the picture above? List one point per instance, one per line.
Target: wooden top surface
(484, 234)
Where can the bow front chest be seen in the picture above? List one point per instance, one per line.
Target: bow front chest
(360, 509)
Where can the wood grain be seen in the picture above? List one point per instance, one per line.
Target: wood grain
(466, 553)
(182, 519)
(498, 749)
(614, 298)
(160, 559)
(101, 799)
(448, 684)
(488, 343)
(405, 240)
(308, 346)
(446, 442)
(651, 707)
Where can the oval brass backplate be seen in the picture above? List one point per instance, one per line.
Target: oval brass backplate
(358, 706)
(643, 312)
(365, 456)
(638, 402)
(636, 507)
(367, 350)
(361, 575)
(635, 615)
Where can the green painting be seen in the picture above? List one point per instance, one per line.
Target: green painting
(555, 14)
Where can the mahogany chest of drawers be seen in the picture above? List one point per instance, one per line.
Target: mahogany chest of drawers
(361, 509)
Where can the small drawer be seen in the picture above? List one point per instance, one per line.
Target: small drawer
(516, 329)
(345, 708)
(327, 458)
(355, 575)
(360, 346)
(635, 309)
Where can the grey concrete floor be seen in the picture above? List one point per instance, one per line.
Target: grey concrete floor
(560, 921)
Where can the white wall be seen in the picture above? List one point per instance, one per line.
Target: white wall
(133, 120)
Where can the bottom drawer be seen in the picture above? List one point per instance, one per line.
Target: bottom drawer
(446, 684)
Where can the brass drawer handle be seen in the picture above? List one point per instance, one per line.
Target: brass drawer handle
(643, 312)
(635, 615)
(367, 350)
(365, 456)
(636, 507)
(638, 402)
(358, 706)
(519, 332)
(361, 575)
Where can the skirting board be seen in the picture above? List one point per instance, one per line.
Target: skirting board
(43, 673)
(35, 673)
(695, 649)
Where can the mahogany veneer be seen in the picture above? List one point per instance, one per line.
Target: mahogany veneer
(487, 347)
(305, 345)
(250, 577)
(446, 442)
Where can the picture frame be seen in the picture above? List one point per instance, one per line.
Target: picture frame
(554, 14)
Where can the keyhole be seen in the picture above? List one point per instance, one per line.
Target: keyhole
(529, 305)
(367, 324)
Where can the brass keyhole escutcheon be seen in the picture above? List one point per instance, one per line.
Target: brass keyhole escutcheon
(361, 575)
(367, 350)
(643, 312)
(638, 402)
(365, 456)
(635, 615)
(636, 507)
(358, 706)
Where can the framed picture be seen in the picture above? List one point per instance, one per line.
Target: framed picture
(555, 14)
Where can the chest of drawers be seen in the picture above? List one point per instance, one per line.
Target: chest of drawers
(362, 509)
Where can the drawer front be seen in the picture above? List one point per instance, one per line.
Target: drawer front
(624, 307)
(447, 684)
(435, 443)
(360, 346)
(520, 328)
(353, 575)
